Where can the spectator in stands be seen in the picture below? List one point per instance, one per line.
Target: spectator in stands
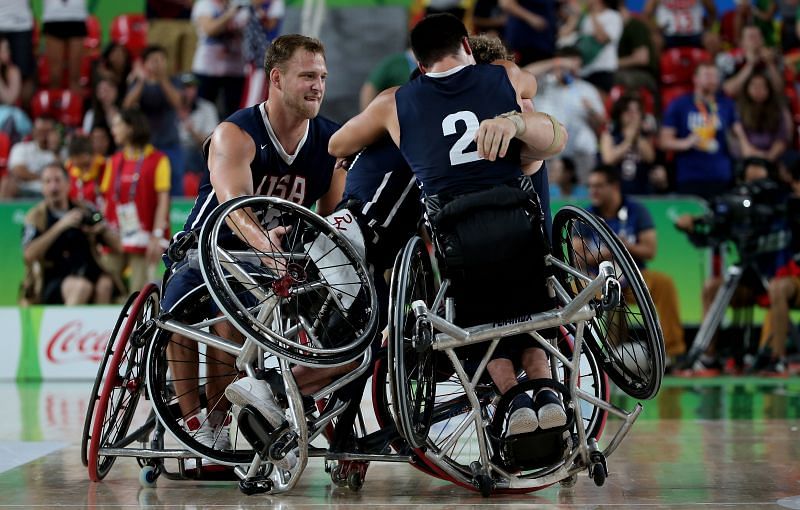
(64, 29)
(489, 18)
(85, 169)
(219, 61)
(158, 97)
(390, 72)
(102, 141)
(105, 104)
(765, 120)
(16, 26)
(115, 65)
(784, 294)
(27, 160)
(760, 13)
(627, 145)
(638, 58)
(169, 26)
(13, 121)
(562, 94)
(198, 118)
(789, 34)
(531, 29)
(263, 25)
(60, 246)
(596, 35)
(695, 127)
(565, 183)
(681, 23)
(634, 226)
(135, 188)
(751, 56)
(10, 76)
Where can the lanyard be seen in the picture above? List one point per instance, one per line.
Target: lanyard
(701, 107)
(134, 183)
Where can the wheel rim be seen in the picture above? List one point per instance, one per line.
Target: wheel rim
(627, 339)
(124, 383)
(295, 289)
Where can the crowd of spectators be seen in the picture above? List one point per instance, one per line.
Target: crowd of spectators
(674, 98)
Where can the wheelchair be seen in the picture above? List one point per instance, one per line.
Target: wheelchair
(446, 407)
(308, 300)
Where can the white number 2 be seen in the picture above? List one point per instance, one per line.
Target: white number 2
(457, 154)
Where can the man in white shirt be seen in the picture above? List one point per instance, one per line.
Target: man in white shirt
(577, 102)
(26, 162)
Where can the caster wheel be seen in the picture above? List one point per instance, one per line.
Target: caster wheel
(148, 476)
(354, 481)
(338, 477)
(485, 485)
(569, 482)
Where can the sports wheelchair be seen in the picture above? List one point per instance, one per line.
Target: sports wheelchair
(310, 302)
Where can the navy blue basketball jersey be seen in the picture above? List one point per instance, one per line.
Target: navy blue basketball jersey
(439, 115)
(380, 179)
(301, 178)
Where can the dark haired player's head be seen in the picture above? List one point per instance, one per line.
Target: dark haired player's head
(437, 36)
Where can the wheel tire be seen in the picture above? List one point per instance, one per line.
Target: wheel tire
(412, 371)
(113, 413)
(634, 360)
(101, 370)
(298, 286)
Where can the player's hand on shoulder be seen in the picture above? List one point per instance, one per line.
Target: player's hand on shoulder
(494, 136)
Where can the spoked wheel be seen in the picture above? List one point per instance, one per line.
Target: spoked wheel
(411, 356)
(625, 337)
(123, 384)
(452, 447)
(294, 279)
(216, 371)
(88, 420)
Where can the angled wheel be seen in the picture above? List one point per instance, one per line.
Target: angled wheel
(161, 388)
(88, 420)
(122, 386)
(625, 337)
(411, 357)
(298, 287)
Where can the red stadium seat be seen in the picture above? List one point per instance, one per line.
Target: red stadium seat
(668, 94)
(678, 65)
(130, 30)
(43, 71)
(648, 101)
(727, 28)
(5, 150)
(94, 35)
(63, 105)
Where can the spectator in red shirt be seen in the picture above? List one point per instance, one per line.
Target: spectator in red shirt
(136, 187)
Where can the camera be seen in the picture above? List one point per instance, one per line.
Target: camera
(749, 215)
(91, 217)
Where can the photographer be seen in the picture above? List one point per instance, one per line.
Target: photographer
(60, 241)
(753, 218)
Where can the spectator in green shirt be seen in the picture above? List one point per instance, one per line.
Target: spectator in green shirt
(638, 61)
(391, 71)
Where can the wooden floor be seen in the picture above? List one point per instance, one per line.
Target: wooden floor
(719, 443)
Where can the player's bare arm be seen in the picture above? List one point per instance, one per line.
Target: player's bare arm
(368, 126)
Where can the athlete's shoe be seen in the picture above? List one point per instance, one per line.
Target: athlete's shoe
(549, 409)
(201, 430)
(521, 416)
(251, 391)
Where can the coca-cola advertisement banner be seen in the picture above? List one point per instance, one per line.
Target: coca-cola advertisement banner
(72, 340)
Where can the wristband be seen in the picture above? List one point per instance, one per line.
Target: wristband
(556, 132)
(158, 232)
(515, 117)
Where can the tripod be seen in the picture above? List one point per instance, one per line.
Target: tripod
(732, 279)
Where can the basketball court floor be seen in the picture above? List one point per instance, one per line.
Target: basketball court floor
(702, 443)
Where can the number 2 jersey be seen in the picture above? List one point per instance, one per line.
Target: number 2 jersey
(301, 178)
(439, 115)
